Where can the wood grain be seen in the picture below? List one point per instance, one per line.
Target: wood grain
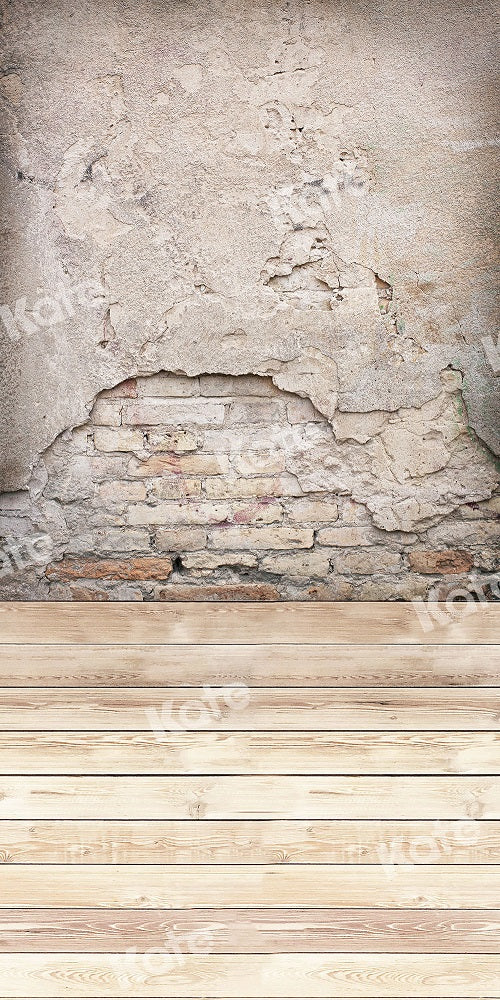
(270, 976)
(248, 797)
(249, 623)
(239, 708)
(171, 886)
(249, 753)
(313, 665)
(249, 842)
(251, 931)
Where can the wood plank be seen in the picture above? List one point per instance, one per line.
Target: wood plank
(268, 886)
(242, 708)
(270, 976)
(285, 665)
(249, 753)
(249, 842)
(256, 931)
(249, 797)
(236, 623)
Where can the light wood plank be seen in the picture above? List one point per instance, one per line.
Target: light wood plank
(258, 666)
(241, 708)
(249, 842)
(268, 886)
(270, 976)
(249, 797)
(251, 931)
(236, 623)
(249, 753)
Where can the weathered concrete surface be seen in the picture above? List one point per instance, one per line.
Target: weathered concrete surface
(297, 189)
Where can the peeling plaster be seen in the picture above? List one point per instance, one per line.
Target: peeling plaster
(252, 194)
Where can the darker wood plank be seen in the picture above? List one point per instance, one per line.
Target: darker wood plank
(284, 931)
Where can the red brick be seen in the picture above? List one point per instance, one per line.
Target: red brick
(140, 568)
(446, 561)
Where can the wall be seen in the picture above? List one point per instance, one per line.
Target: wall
(220, 488)
(294, 193)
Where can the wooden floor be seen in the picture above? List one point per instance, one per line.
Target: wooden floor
(234, 801)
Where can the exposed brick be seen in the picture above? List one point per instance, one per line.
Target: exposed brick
(125, 390)
(298, 564)
(179, 440)
(197, 465)
(225, 488)
(212, 560)
(304, 511)
(202, 512)
(262, 538)
(370, 560)
(174, 488)
(168, 385)
(446, 561)
(121, 490)
(118, 440)
(254, 411)
(259, 463)
(180, 539)
(138, 568)
(121, 540)
(239, 385)
(108, 467)
(83, 593)
(218, 592)
(347, 536)
(166, 411)
(106, 412)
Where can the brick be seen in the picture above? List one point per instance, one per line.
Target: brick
(125, 390)
(121, 490)
(121, 540)
(347, 536)
(254, 411)
(300, 411)
(446, 561)
(237, 385)
(313, 511)
(259, 463)
(168, 385)
(218, 592)
(370, 560)
(133, 568)
(298, 564)
(166, 411)
(106, 412)
(223, 488)
(118, 440)
(262, 538)
(82, 593)
(166, 439)
(212, 560)
(201, 512)
(189, 512)
(197, 465)
(180, 539)
(104, 467)
(174, 488)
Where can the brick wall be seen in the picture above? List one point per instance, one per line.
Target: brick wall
(227, 488)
